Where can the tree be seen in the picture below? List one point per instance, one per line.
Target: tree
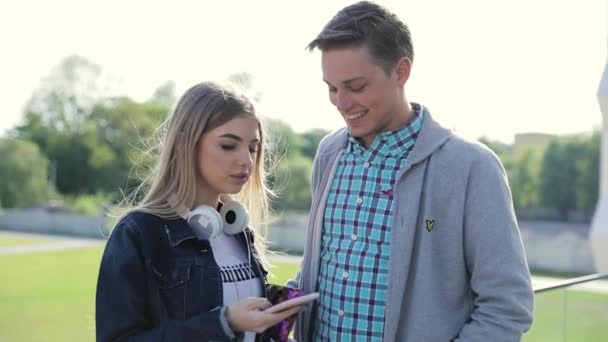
(23, 174)
(292, 184)
(92, 140)
(164, 95)
(524, 178)
(557, 186)
(498, 147)
(64, 99)
(588, 165)
(310, 141)
(245, 82)
(56, 118)
(121, 142)
(283, 141)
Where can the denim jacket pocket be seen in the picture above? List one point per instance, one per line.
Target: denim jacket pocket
(173, 288)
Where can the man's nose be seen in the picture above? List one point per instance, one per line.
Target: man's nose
(343, 101)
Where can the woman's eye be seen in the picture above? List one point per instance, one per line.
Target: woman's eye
(228, 147)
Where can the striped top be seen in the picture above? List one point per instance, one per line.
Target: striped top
(239, 278)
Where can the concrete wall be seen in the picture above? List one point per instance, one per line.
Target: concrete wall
(550, 246)
(44, 221)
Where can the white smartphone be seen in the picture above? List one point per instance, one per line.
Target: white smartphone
(293, 302)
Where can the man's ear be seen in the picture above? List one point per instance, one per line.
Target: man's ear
(403, 69)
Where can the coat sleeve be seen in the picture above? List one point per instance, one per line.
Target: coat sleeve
(122, 308)
(494, 253)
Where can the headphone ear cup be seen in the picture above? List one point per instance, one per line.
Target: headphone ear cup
(235, 217)
(205, 221)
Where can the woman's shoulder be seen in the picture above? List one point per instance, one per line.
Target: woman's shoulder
(139, 222)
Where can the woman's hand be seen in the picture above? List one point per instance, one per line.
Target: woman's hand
(248, 315)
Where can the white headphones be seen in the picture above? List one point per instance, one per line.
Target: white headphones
(208, 223)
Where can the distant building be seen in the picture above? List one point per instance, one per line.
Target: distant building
(535, 140)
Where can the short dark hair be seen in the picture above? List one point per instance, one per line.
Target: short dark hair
(366, 23)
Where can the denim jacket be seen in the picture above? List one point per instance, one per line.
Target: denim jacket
(158, 282)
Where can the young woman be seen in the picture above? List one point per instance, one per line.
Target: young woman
(183, 265)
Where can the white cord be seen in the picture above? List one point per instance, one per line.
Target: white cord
(249, 252)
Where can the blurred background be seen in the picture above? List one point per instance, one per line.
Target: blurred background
(85, 86)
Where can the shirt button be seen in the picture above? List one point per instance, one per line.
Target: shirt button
(344, 274)
(353, 237)
(341, 313)
(366, 165)
(359, 200)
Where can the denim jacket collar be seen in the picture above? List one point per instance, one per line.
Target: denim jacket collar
(178, 231)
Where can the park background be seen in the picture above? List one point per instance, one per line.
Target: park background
(85, 87)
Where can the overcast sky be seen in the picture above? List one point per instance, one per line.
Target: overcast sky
(482, 67)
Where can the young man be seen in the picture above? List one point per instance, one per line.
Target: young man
(412, 234)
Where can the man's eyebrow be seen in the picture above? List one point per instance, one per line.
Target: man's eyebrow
(347, 82)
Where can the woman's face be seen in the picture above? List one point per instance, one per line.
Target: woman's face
(226, 155)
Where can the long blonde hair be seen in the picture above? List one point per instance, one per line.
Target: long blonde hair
(173, 182)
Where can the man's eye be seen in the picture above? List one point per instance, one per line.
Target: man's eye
(332, 89)
(357, 89)
(228, 147)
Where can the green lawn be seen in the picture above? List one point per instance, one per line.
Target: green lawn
(50, 296)
(582, 315)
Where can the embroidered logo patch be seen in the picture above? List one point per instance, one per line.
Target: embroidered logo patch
(387, 192)
(430, 224)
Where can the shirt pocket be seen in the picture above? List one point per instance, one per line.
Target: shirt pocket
(173, 289)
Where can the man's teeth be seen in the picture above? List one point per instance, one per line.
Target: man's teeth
(354, 116)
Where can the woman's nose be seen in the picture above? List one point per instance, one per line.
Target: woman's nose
(246, 159)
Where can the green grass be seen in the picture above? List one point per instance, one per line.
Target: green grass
(586, 316)
(18, 240)
(281, 272)
(50, 296)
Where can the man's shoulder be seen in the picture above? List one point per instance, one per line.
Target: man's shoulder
(464, 149)
(333, 141)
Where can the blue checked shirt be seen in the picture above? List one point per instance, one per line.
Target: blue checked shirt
(356, 243)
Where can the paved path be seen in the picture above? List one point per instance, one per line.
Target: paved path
(56, 243)
(47, 243)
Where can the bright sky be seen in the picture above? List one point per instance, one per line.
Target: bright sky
(482, 67)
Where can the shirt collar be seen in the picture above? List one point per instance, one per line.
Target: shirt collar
(393, 143)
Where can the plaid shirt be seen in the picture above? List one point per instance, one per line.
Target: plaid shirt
(356, 243)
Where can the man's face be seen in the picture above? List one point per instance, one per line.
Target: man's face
(369, 100)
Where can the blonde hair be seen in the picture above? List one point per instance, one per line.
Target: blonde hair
(173, 182)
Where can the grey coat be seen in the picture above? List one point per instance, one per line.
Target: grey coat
(457, 269)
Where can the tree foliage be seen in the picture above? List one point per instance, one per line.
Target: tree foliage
(23, 174)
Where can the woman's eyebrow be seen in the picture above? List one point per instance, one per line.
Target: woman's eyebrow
(231, 136)
(237, 138)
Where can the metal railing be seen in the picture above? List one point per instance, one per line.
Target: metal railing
(571, 282)
(583, 316)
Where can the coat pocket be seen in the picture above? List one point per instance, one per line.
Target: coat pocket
(173, 288)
